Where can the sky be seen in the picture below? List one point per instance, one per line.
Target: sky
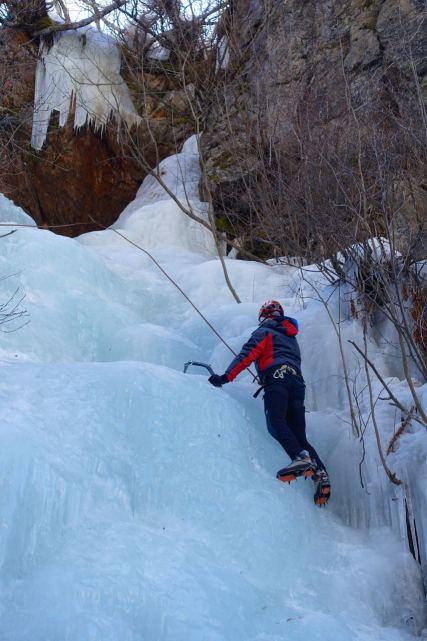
(78, 13)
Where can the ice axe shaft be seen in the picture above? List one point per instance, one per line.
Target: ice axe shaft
(196, 364)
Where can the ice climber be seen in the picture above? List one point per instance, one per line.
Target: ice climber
(274, 349)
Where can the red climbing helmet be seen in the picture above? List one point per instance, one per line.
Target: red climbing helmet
(270, 309)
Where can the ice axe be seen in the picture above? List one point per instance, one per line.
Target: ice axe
(196, 364)
(211, 372)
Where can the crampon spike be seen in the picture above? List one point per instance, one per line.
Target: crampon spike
(286, 478)
(322, 495)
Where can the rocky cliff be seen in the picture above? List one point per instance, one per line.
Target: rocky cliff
(300, 72)
(298, 82)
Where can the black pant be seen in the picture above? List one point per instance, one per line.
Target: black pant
(285, 415)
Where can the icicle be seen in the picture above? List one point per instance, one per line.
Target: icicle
(81, 67)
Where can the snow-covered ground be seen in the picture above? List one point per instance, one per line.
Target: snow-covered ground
(138, 503)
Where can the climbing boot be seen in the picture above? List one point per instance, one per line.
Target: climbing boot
(302, 465)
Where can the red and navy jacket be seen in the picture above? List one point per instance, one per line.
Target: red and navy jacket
(273, 343)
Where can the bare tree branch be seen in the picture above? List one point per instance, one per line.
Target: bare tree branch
(393, 398)
(63, 8)
(391, 475)
(68, 26)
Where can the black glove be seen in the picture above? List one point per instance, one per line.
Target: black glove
(218, 381)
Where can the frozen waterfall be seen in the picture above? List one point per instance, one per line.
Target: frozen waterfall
(138, 503)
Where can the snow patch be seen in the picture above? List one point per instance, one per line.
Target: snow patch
(157, 52)
(223, 54)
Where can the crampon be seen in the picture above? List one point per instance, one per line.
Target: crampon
(323, 489)
(302, 467)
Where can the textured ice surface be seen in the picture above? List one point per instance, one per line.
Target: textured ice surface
(10, 213)
(138, 503)
(129, 513)
(181, 175)
(80, 68)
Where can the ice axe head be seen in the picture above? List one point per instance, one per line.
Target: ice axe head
(196, 364)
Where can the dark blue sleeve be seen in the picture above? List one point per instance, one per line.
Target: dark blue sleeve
(250, 351)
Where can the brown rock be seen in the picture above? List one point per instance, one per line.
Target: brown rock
(80, 176)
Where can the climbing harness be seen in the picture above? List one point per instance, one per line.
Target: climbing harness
(279, 373)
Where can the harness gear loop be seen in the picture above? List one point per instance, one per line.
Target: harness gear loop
(283, 370)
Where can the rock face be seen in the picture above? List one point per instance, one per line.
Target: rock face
(306, 69)
(295, 73)
(81, 176)
(76, 179)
